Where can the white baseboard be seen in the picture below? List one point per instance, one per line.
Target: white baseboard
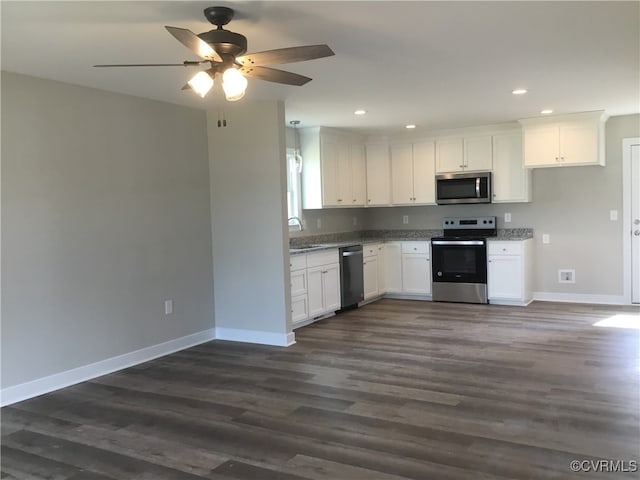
(256, 336)
(579, 298)
(50, 383)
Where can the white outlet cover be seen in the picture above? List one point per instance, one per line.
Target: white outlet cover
(507, 217)
(168, 307)
(613, 215)
(319, 223)
(405, 219)
(355, 221)
(566, 276)
(546, 238)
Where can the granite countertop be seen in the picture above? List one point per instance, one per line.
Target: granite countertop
(299, 245)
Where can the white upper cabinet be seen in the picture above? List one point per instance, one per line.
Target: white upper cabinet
(467, 154)
(378, 174)
(333, 168)
(511, 182)
(564, 140)
(412, 173)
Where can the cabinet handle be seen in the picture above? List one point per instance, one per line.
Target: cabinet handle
(364, 263)
(354, 200)
(325, 271)
(461, 166)
(556, 159)
(562, 158)
(369, 200)
(341, 199)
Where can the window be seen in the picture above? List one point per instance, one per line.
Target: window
(294, 189)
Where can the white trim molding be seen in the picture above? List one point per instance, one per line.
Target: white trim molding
(256, 336)
(627, 143)
(40, 386)
(579, 298)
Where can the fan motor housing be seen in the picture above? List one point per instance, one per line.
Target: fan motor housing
(225, 42)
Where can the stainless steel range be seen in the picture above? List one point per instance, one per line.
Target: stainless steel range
(459, 259)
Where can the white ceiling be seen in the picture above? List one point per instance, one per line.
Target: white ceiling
(435, 64)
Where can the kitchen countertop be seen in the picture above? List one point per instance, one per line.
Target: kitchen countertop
(381, 236)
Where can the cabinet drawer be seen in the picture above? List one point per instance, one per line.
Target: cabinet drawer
(322, 258)
(504, 248)
(370, 250)
(415, 247)
(297, 262)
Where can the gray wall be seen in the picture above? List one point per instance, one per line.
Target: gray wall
(571, 204)
(105, 214)
(248, 207)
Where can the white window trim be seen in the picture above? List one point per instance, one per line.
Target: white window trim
(294, 188)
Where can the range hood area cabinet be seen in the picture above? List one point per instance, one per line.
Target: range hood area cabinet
(464, 154)
(333, 168)
(564, 140)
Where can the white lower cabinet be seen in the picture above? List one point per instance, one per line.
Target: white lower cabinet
(371, 271)
(392, 267)
(299, 299)
(323, 278)
(416, 268)
(509, 272)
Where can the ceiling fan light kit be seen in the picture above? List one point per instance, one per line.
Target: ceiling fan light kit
(224, 51)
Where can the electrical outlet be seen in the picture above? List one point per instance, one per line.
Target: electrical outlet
(319, 223)
(168, 307)
(566, 276)
(613, 215)
(507, 218)
(355, 221)
(405, 219)
(545, 238)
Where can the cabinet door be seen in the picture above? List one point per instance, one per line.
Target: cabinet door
(510, 179)
(314, 291)
(331, 287)
(393, 267)
(298, 282)
(504, 277)
(449, 155)
(415, 274)
(299, 310)
(358, 175)
(382, 283)
(330, 157)
(541, 143)
(378, 173)
(402, 174)
(477, 153)
(579, 142)
(343, 175)
(370, 274)
(424, 179)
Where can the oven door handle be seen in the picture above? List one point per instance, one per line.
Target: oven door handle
(457, 242)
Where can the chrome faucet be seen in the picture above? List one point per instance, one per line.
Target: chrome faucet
(297, 219)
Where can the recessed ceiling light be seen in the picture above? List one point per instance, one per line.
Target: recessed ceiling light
(410, 127)
(519, 91)
(546, 111)
(359, 112)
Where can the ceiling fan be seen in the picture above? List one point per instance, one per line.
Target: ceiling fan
(224, 51)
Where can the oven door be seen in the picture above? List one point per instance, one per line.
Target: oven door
(459, 261)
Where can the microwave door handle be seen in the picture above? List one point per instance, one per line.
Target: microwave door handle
(477, 187)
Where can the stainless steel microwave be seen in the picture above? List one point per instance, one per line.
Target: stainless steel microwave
(453, 188)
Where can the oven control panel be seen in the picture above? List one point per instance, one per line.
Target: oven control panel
(469, 223)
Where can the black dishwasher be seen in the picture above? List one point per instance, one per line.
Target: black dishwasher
(351, 278)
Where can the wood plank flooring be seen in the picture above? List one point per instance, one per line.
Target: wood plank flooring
(393, 390)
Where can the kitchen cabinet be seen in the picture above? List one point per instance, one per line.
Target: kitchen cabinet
(382, 287)
(416, 268)
(333, 168)
(511, 182)
(378, 174)
(564, 140)
(323, 282)
(509, 272)
(392, 267)
(467, 154)
(299, 299)
(370, 271)
(412, 173)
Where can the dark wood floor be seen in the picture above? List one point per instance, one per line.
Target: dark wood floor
(391, 391)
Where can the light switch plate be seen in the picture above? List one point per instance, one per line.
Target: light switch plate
(613, 215)
(507, 218)
(168, 307)
(405, 219)
(545, 238)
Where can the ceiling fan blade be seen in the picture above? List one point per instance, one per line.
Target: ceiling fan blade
(194, 43)
(286, 55)
(273, 75)
(186, 63)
